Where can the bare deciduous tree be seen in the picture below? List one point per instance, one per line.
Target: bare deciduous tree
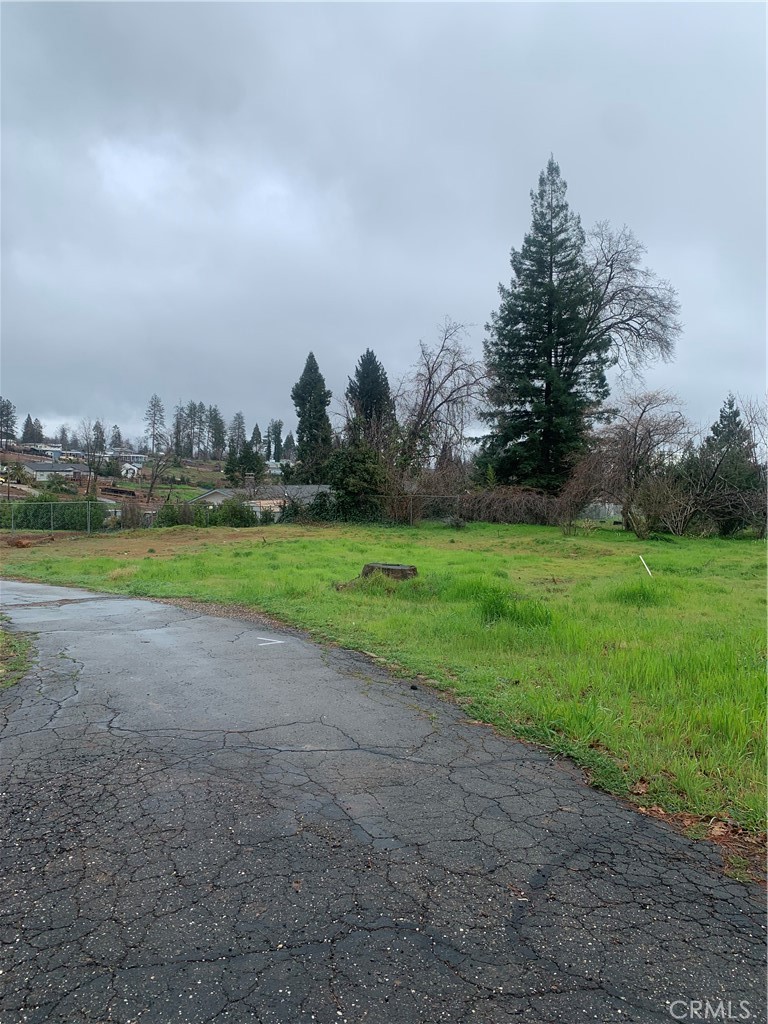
(435, 404)
(91, 439)
(754, 413)
(161, 460)
(648, 428)
(631, 306)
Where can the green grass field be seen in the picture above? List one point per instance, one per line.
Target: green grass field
(656, 685)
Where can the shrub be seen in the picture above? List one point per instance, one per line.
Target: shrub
(234, 512)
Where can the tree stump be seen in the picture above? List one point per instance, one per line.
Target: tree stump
(397, 572)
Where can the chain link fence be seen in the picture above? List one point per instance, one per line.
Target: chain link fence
(500, 505)
(33, 514)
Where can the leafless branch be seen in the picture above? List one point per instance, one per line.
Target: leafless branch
(631, 305)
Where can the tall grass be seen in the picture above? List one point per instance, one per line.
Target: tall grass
(566, 641)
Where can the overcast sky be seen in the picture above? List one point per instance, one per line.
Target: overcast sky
(197, 195)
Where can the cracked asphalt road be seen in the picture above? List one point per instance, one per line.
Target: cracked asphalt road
(203, 825)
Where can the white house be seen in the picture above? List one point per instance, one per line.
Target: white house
(43, 471)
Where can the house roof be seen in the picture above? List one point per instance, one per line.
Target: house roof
(226, 491)
(55, 467)
(289, 492)
(270, 492)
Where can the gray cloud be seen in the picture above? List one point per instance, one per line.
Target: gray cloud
(196, 195)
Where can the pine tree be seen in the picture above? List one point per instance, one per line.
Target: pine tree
(240, 465)
(28, 431)
(251, 463)
(191, 429)
(546, 366)
(217, 432)
(729, 462)
(289, 447)
(99, 437)
(115, 438)
(64, 440)
(7, 421)
(154, 418)
(231, 466)
(237, 434)
(256, 439)
(368, 389)
(178, 430)
(729, 436)
(275, 439)
(313, 435)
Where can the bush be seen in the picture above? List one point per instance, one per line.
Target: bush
(167, 515)
(234, 512)
(175, 513)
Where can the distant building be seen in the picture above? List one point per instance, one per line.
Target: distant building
(266, 496)
(44, 471)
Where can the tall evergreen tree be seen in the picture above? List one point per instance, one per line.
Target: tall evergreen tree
(237, 436)
(115, 437)
(201, 432)
(730, 437)
(154, 418)
(28, 431)
(275, 439)
(314, 437)
(368, 390)
(256, 439)
(63, 438)
(545, 364)
(231, 466)
(178, 431)
(190, 429)
(251, 463)
(217, 432)
(371, 409)
(729, 464)
(7, 421)
(289, 447)
(99, 437)
(240, 465)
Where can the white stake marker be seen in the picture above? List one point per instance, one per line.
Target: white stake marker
(646, 567)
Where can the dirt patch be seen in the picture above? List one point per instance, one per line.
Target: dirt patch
(744, 854)
(29, 541)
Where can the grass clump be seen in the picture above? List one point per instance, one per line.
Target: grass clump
(640, 594)
(496, 606)
(15, 657)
